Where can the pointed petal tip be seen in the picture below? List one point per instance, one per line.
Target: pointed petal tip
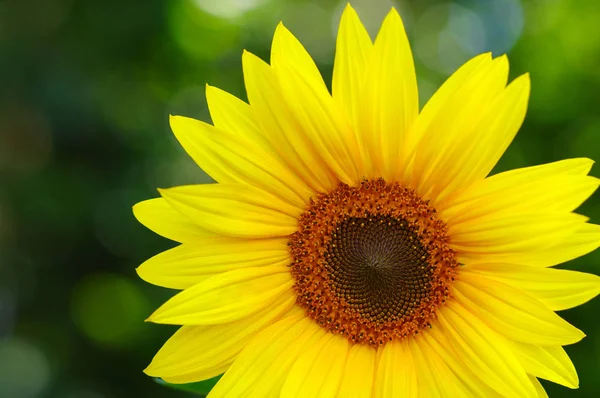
(162, 191)
(587, 162)
(168, 193)
(525, 78)
(487, 56)
(348, 8)
(247, 56)
(394, 12)
(249, 59)
(138, 209)
(522, 84)
(392, 18)
(155, 371)
(135, 209)
(392, 27)
(349, 13)
(282, 37)
(578, 335)
(280, 29)
(141, 274)
(502, 60)
(158, 316)
(176, 122)
(575, 380)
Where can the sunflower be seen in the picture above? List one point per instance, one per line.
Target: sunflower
(354, 245)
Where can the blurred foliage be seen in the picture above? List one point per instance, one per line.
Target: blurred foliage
(86, 89)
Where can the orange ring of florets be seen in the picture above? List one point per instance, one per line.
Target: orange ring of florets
(389, 236)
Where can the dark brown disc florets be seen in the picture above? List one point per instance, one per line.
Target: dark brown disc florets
(371, 262)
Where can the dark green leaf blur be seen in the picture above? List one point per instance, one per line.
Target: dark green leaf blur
(86, 87)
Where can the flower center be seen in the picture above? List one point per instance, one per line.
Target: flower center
(371, 262)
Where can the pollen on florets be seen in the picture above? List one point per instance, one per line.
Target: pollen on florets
(371, 262)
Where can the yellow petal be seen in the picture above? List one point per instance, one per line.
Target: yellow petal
(285, 45)
(437, 342)
(586, 239)
(446, 136)
(538, 387)
(234, 210)
(396, 373)
(359, 372)
(232, 159)
(226, 297)
(390, 101)
(512, 312)
(480, 348)
(200, 352)
(511, 233)
(320, 123)
(550, 363)
(481, 148)
(527, 179)
(158, 216)
(437, 102)
(436, 379)
(352, 52)
(272, 352)
(318, 371)
(232, 115)
(277, 123)
(189, 264)
(557, 289)
(562, 193)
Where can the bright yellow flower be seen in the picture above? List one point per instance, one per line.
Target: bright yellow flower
(354, 245)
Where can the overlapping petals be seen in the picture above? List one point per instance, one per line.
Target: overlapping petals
(238, 211)
(188, 264)
(198, 352)
(226, 297)
(498, 332)
(162, 218)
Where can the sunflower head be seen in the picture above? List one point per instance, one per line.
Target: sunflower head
(355, 245)
(371, 262)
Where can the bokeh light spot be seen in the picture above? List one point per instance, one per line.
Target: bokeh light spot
(109, 309)
(228, 8)
(191, 28)
(448, 34)
(503, 21)
(24, 370)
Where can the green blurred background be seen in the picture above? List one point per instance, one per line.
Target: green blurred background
(86, 90)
